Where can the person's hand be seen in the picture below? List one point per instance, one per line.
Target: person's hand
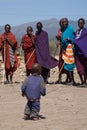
(57, 37)
(67, 39)
(6, 40)
(23, 94)
(63, 51)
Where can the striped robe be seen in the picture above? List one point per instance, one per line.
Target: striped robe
(8, 52)
(68, 47)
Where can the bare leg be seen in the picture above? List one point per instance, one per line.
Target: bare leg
(59, 79)
(7, 78)
(11, 79)
(85, 79)
(81, 78)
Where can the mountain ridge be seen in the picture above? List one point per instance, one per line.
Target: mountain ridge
(50, 25)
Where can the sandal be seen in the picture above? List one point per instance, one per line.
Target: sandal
(35, 118)
(26, 117)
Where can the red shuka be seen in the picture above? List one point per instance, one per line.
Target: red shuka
(5, 51)
(29, 51)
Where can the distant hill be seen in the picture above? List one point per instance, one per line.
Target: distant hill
(50, 25)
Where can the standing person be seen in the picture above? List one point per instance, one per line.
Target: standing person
(61, 62)
(81, 51)
(42, 51)
(68, 49)
(33, 87)
(9, 47)
(28, 47)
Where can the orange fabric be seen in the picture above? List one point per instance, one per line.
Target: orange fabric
(5, 52)
(29, 53)
(68, 57)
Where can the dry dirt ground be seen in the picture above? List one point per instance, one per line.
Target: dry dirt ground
(63, 108)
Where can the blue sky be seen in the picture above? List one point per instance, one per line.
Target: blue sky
(16, 12)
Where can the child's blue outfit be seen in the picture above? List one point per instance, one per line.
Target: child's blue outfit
(33, 87)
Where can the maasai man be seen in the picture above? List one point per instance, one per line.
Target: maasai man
(61, 62)
(81, 51)
(42, 51)
(27, 44)
(68, 49)
(9, 46)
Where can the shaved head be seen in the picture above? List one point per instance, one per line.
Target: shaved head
(36, 68)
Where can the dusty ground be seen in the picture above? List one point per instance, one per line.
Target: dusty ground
(63, 108)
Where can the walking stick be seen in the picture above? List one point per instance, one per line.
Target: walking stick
(30, 57)
(61, 69)
(55, 52)
(4, 61)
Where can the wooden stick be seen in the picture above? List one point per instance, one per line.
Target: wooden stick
(30, 57)
(4, 61)
(61, 69)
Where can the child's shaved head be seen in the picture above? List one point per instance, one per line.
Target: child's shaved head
(36, 68)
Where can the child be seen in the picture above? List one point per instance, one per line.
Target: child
(33, 87)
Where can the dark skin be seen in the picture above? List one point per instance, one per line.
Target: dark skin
(7, 30)
(39, 27)
(81, 24)
(45, 71)
(70, 75)
(63, 24)
(31, 37)
(36, 69)
(29, 33)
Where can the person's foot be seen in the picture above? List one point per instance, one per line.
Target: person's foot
(26, 117)
(11, 82)
(35, 118)
(6, 82)
(72, 83)
(83, 85)
(47, 82)
(58, 82)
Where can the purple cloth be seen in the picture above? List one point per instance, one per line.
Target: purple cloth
(81, 43)
(81, 65)
(42, 51)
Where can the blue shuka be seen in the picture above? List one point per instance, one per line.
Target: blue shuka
(68, 33)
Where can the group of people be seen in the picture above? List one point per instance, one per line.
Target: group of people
(36, 50)
(35, 47)
(73, 53)
(38, 61)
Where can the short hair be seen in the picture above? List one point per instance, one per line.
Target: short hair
(40, 24)
(7, 25)
(66, 19)
(30, 28)
(36, 68)
(60, 22)
(82, 20)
